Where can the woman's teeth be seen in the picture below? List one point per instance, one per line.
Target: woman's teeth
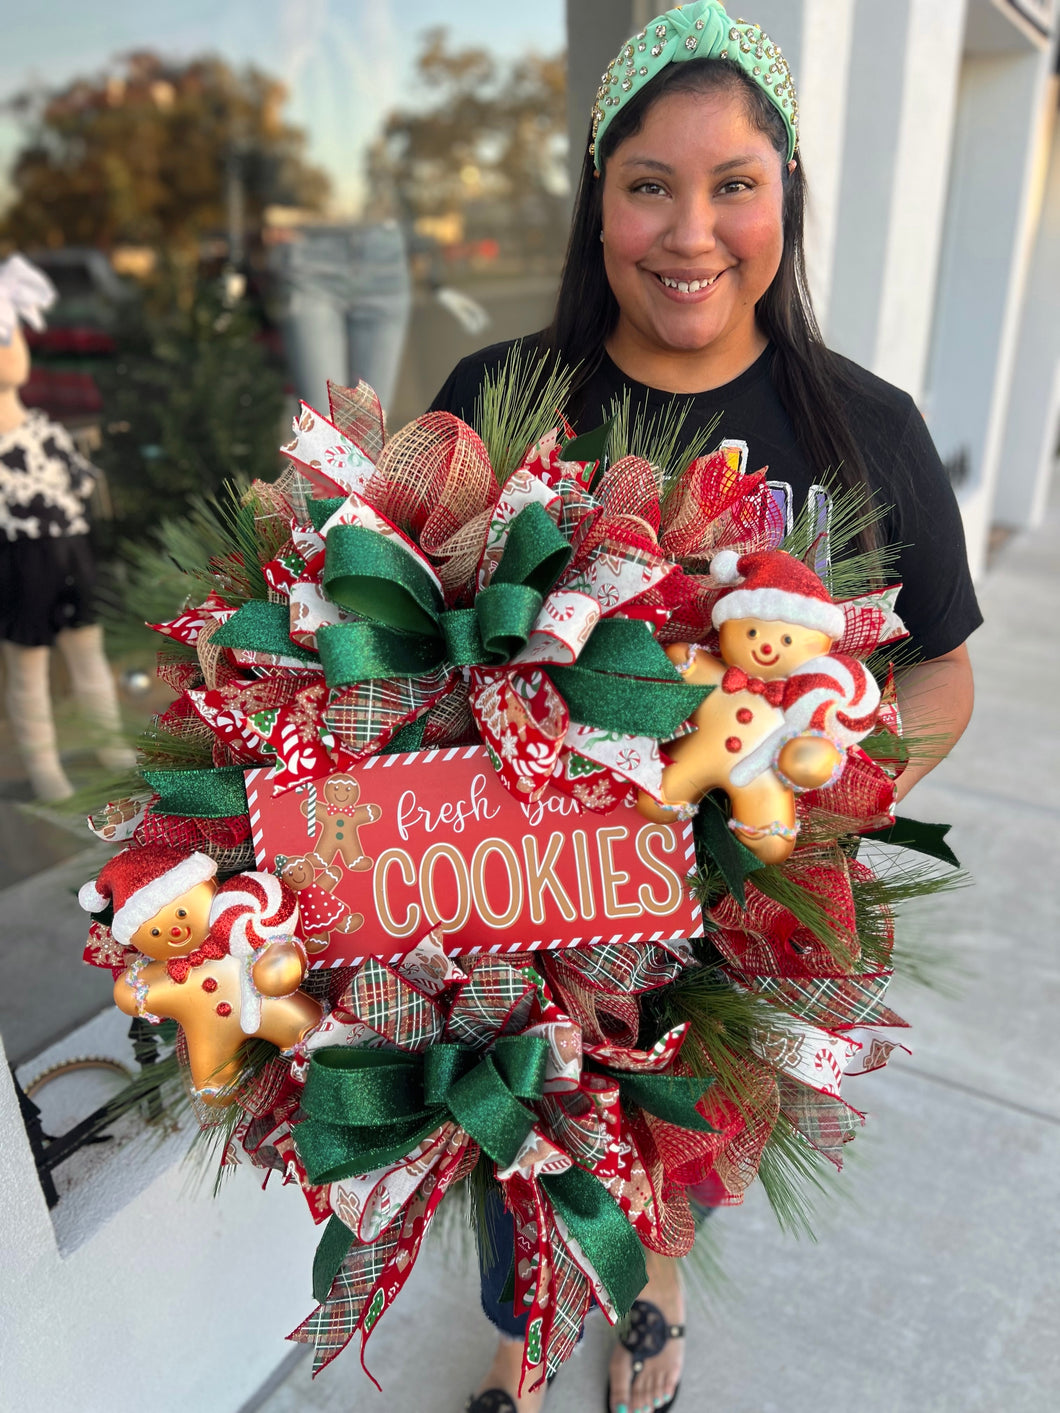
(688, 286)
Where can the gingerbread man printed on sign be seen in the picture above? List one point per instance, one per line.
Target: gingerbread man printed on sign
(222, 962)
(320, 913)
(784, 709)
(337, 820)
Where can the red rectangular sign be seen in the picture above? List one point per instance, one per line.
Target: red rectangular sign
(381, 855)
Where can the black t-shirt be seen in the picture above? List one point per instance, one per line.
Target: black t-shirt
(937, 602)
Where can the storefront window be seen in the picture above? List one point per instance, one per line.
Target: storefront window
(362, 188)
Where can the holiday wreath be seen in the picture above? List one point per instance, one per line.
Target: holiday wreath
(535, 781)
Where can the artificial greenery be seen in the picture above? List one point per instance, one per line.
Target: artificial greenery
(660, 437)
(519, 404)
(191, 398)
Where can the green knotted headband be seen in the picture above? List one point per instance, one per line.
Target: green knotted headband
(699, 31)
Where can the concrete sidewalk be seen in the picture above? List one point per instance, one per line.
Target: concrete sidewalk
(935, 1289)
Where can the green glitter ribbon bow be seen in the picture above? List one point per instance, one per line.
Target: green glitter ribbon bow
(623, 681)
(410, 631)
(700, 31)
(366, 1109)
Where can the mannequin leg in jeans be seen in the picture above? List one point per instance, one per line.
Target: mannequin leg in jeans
(503, 1373)
(29, 709)
(93, 684)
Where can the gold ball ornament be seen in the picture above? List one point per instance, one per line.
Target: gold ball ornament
(280, 970)
(809, 761)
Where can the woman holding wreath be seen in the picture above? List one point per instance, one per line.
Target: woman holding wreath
(685, 279)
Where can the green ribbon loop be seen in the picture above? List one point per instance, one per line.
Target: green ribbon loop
(361, 652)
(371, 574)
(623, 681)
(262, 627)
(199, 794)
(367, 1108)
(597, 1223)
(408, 631)
(670, 1097)
(535, 551)
(321, 511)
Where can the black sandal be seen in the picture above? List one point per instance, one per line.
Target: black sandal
(492, 1400)
(646, 1337)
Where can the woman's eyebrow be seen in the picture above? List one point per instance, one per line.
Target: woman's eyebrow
(648, 162)
(654, 165)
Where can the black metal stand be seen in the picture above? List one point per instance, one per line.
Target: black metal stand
(49, 1151)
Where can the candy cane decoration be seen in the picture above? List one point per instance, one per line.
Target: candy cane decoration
(825, 1059)
(248, 913)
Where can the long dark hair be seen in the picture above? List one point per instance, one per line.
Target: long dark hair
(809, 379)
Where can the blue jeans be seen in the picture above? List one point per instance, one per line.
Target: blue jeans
(347, 296)
(493, 1275)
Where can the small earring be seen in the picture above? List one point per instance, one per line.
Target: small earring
(601, 233)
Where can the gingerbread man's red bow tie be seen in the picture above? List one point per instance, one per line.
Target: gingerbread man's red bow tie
(737, 680)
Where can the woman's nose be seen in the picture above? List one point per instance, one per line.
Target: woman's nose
(692, 227)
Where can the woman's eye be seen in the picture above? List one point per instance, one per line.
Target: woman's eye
(183, 912)
(752, 632)
(786, 640)
(647, 188)
(728, 188)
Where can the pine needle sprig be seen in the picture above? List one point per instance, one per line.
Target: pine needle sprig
(901, 879)
(853, 510)
(211, 1139)
(808, 909)
(797, 1179)
(723, 1020)
(518, 404)
(219, 545)
(659, 438)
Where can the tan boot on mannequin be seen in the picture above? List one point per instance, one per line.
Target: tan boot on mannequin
(29, 709)
(93, 684)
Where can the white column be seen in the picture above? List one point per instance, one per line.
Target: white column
(1032, 426)
(904, 70)
(823, 77)
(816, 37)
(931, 65)
(990, 226)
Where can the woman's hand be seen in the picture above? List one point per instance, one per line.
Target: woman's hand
(936, 701)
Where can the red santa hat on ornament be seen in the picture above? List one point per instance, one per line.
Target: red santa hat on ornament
(774, 586)
(140, 881)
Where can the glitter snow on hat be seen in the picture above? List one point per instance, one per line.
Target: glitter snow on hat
(776, 587)
(138, 882)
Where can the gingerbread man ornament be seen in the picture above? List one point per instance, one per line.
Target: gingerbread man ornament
(337, 820)
(784, 709)
(222, 962)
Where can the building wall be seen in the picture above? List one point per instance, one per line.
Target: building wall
(161, 1304)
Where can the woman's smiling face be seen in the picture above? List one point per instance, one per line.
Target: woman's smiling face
(692, 237)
